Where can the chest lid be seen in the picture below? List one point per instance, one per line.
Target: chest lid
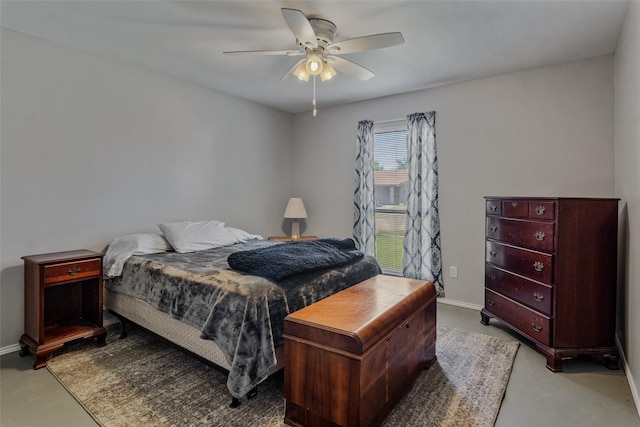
(356, 318)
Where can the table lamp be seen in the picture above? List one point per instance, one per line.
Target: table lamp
(295, 210)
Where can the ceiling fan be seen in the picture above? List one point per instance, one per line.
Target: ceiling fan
(315, 38)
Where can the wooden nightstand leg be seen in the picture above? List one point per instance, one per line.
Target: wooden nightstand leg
(24, 350)
(41, 360)
(102, 339)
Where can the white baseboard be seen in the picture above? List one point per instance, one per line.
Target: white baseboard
(632, 384)
(16, 347)
(460, 304)
(9, 349)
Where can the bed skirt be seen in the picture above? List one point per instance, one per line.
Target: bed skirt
(179, 333)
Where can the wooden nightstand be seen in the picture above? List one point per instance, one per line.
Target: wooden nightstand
(292, 239)
(62, 301)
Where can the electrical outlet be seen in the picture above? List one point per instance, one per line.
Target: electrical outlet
(453, 271)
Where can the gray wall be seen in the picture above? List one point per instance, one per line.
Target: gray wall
(627, 187)
(93, 149)
(540, 132)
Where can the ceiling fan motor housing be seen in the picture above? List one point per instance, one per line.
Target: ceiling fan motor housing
(325, 32)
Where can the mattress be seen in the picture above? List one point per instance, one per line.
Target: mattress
(242, 314)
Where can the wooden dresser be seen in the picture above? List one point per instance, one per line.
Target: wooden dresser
(350, 357)
(550, 273)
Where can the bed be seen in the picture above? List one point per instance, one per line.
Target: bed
(233, 319)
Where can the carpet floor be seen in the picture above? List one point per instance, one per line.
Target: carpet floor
(143, 380)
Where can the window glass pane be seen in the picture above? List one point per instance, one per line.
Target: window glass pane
(390, 179)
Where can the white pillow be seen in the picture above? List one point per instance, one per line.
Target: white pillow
(242, 235)
(133, 244)
(187, 236)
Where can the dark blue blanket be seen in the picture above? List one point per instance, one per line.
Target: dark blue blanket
(288, 259)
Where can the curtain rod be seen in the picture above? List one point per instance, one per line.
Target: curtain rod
(388, 121)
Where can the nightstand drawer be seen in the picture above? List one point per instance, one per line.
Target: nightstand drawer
(72, 270)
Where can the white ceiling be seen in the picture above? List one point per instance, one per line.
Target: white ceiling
(445, 41)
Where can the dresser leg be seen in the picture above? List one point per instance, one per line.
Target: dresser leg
(611, 361)
(554, 364)
(484, 318)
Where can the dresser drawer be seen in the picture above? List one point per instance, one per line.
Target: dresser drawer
(493, 207)
(72, 270)
(530, 234)
(542, 209)
(529, 322)
(524, 291)
(532, 264)
(515, 208)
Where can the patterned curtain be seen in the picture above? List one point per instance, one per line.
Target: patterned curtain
(364, 218)
(422, 254)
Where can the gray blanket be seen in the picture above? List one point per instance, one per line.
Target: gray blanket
(244, 314)
(279, 262)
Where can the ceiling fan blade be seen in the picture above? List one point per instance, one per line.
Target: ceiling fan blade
(300, 26)
(350, 68)
(292, 69)
(359, 44)
(265, 52)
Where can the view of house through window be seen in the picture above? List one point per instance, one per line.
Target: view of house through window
(390, 179)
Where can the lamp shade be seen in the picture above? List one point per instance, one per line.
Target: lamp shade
(295, 208)
(314, 65)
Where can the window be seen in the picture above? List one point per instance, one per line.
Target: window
(390, 180)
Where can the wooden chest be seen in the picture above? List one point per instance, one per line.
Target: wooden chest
(550, 273)
(350, 357)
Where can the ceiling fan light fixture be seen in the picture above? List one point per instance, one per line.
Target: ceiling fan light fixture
(314, 65)
(327, 72)
(301, 72)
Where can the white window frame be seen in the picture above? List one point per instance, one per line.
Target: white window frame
(383, 127)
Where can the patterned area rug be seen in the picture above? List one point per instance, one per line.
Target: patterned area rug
(143, 380)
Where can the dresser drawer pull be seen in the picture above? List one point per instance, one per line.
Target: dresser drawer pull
(540, 210)
(538, 266)
(538, 296)
(493, 253)
(536, 326)
(514, 204)
(540, 235)
(493, 228)
(491, 302)
(492, 276)
(492, 207)
(74, 270)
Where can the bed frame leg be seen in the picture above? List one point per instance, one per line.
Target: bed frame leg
(123, 329)
(235, 402)
(252, 393)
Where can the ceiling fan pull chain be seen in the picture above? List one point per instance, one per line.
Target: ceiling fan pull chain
(314, 97)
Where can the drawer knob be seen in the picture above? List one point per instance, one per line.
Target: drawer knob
(514, 204)
(540, 210)
(538, 266)
(73, 271)
(493, 228)
(492, 276)
(536, 326)
(492, 207)
(493, 253)
(491, 302)
(540, 235)
(538, 296)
